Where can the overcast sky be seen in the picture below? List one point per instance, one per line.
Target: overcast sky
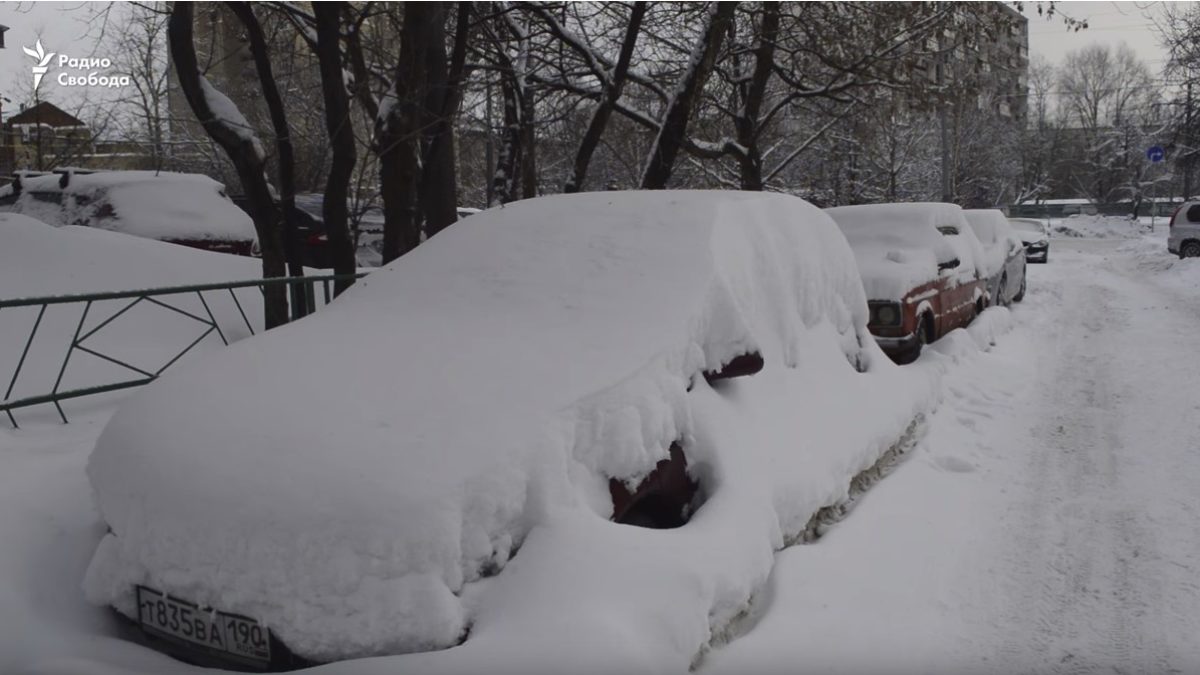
(72, 28)
(1108, 23)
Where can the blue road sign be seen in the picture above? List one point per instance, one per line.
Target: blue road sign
(1155, 153)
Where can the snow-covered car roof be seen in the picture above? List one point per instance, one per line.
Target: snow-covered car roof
(898, 246)
(156, 205)
(995, 236)
(342, 478)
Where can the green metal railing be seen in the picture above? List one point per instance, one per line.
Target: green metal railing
(56, 394)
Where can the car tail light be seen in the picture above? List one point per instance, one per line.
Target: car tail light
(316, 239)
(1171, 223)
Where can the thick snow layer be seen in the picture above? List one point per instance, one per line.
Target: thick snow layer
(995, 237)
(39, 260)
(1044, 524)
(1119, 227)
(474, 397)
(898, 246)
(155, 205)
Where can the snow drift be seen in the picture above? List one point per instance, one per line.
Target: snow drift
(38, 260)
(1101, 227)
(474, 398)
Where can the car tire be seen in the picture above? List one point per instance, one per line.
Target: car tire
(1001, 291)
(924, 336)
(1021, 293)
(1190, 249)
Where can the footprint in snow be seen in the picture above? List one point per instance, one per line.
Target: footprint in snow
(953, 464)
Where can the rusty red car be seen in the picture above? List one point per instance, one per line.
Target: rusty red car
(919, 266)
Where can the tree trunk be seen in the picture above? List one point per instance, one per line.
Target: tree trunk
(673, 132)
(529, 181)
(754, 92)
(439, 182)
(283, 144)
(604, 109)
(504, 180)
(398, 136)
(341, 139)
(243, 150)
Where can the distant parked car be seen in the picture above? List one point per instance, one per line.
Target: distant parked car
(179, 208)
(1036, 238)
(1184, 237)
(919, 269)
(314, 246)
(1003, 255)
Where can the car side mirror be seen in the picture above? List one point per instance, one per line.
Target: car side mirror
(949, 264)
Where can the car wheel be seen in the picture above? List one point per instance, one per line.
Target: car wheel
(1002, 291)
(1021, 293)
(924, 335)
(1190, 250)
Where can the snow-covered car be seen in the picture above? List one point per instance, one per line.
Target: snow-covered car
(530, 365)
(919, 268)
(178, 208)
(1035, 237)
(1184, 237)
(1003, 255)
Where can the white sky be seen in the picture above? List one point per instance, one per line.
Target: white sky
(1108, 23)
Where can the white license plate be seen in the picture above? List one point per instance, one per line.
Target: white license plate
(221, 632)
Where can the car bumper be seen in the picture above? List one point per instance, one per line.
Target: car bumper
(1036, 255)
(1172, 248)
(898, 346)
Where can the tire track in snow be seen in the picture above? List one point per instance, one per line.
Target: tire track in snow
(1086, 592)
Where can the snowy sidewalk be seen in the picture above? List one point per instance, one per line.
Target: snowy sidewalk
(1047, 523)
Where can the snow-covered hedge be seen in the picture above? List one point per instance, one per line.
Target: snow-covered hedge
(356, 479)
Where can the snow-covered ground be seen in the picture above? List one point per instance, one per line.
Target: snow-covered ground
(1047, 522)
(1043, 523)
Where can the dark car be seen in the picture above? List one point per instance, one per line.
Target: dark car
(1034, 236)
(314, 245)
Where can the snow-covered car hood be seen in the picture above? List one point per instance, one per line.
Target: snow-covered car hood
(1032, 237)
(898, 247)
(344, 477)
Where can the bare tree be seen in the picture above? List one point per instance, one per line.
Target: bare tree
(228, 127)
(1104, 98)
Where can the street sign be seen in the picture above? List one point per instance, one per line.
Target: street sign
(1155, 153)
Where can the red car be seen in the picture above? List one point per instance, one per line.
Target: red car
(919, 270)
